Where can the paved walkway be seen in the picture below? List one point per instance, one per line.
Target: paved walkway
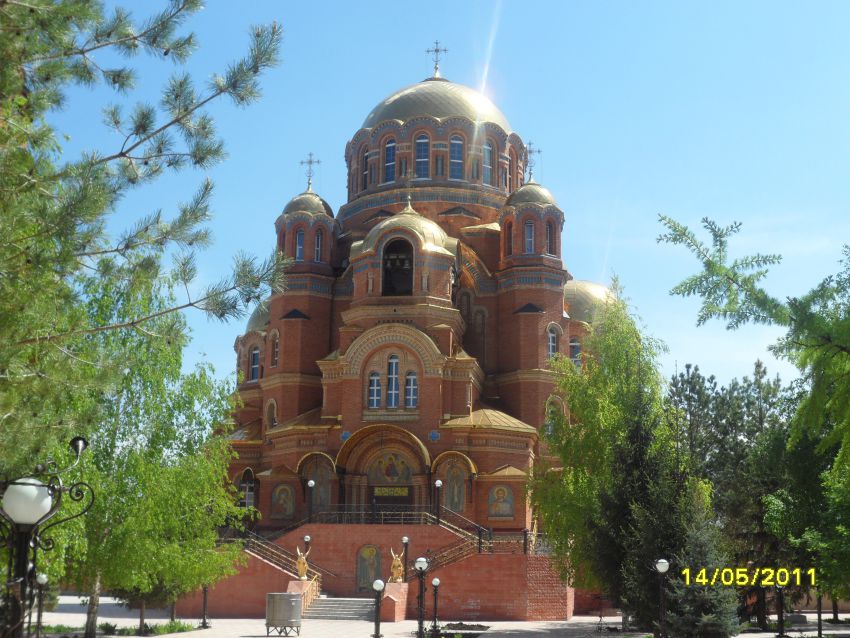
(71, 613)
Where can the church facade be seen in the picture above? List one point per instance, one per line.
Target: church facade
(405, 367)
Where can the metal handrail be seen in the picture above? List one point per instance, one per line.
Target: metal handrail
(286, 557)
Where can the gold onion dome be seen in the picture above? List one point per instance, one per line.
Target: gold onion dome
(438, 98)
(531, 193)
(431, 237)
(259, 318)
(308, 202)
(581, 298)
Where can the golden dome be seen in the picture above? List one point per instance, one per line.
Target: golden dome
(432, 238)
(259, 318)
(531, 193)
(308, 202)
(581, 297)
(439, 98)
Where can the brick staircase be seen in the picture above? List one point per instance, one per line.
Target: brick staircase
(326, 608)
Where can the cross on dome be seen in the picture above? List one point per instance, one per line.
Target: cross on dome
(310, 162)
(436, 50)
(531, 153)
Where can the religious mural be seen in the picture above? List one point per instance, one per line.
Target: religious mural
(500, 503)
(322, 475)
(283, 501)
(389, 469)
(368, 567)
(455, 488)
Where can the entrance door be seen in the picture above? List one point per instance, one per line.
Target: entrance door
(390, 495)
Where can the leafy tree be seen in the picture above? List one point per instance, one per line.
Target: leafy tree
(817, 341)
(55, 249)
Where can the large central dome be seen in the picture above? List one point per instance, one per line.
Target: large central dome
(438, 98)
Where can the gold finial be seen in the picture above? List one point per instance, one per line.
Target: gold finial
(531, 153)
(309, 162)
(436, 50)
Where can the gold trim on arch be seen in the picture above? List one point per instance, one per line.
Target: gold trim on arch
(302, 459)
(472, 467)
(363, 433)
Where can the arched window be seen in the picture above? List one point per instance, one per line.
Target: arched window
(374, 390)
(364, 167)
(575, 351)
(552, 342)
(552, 416)
(511, 170)
(299, 246)
(550, 238)
(411, 391)
(488, 163)
(529, 237)
(317, 248)
(247, 489)
(389, 160)
(509, 238)
(275, 351)
(392, 382)
(254, 371)
(398, 269)
(456, 157)
(271, 414)
(423, 156)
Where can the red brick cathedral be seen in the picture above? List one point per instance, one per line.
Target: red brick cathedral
(399, 386)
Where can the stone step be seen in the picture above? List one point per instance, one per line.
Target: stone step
(341, 609)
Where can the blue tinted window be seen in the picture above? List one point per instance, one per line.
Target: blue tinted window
(423, 152)
(389, 161)
(456, 158)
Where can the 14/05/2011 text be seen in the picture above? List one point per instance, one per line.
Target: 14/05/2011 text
(749, 577)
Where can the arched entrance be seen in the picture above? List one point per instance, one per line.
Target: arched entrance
(384, 466)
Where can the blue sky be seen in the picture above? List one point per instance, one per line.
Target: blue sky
(731, 110)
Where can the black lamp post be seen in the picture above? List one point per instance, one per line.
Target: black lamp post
(378, 586)
(437, 485)
(421, 566)
(661, 566)
(435, 631)
(204, 622)
(310, 485)
(405, 541)
(28, 503)
(41, 580)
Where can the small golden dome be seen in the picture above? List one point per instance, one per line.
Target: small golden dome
(308, 202)
(531, 193)
(259, 319)
(581, 297)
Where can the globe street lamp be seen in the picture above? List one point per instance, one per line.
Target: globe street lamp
(378, 586)
(307, 540)
(41, 579)
(661, 566)
(435, 632)
(437, 484)
(421, 566)
(27, 504)
(405, 541)
(310, 485)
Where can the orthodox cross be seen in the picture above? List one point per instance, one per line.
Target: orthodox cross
(531, 153)
(436, 51)
(309, 162)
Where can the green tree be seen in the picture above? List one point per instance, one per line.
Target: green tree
(55, 249)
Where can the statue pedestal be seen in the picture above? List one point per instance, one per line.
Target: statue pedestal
(394, 603)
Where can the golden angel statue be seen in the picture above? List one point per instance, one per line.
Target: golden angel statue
(396, 569)
(301, 563)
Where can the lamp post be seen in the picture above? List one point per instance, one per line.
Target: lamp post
(661, 566)
(307, 540)
(405, 541)
(378, 586)
(310, 485)
(435, 631)
(41, 580)
(421, 566)
(27, 504)
(437, 485)
(204, 621)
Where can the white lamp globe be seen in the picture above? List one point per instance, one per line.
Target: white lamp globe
(438, 483)
(421, 564)
(311, 483)
(27, 501)
(662, 565)
(378, 585)
(436, 582)
(41, 579)
(307, 538)
(405, 540)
